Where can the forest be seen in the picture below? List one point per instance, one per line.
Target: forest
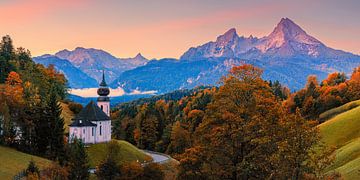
(246, 128)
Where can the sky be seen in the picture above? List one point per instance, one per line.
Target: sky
(167, 28)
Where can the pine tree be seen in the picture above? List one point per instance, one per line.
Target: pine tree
(56, 123)
(32, 169)
(6, 54)
(42, 129)
(77, 161)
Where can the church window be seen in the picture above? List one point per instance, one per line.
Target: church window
(92, 131)
(84, 131)
(100, 130)
(102, 108)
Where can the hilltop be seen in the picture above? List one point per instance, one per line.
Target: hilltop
(343, 132)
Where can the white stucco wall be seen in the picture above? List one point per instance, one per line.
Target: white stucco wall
(105, 134)
(105, 106)
(88, 137)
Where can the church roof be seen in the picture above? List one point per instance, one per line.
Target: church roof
(81, 123)
(91, 112)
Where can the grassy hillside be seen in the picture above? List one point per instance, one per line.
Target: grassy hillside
(335, 111)
(67, 114)
(128, 152)
(12, 162)
(343, 132)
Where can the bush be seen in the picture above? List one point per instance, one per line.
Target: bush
(75, 107)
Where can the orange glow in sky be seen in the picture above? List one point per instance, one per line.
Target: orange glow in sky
(167, 28)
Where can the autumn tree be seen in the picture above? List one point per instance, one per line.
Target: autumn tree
(14, 90)
(147, 124)
(246, 134)
(180, 139)
(152, 171)
(55, 171)
(237, 126)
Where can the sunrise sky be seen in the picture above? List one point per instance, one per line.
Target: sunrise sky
(167, 28)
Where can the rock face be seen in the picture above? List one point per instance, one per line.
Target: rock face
(287, 54)
(286, 40)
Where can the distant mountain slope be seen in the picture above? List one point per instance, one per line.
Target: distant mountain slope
(76, 78)
(343, 132)
(164, 75)
(287, 54)
(93, 61)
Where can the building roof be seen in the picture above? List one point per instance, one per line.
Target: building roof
(91, 112)
(81, 123)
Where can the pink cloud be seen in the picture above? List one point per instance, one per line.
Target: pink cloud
(214, 18)
(24, 11)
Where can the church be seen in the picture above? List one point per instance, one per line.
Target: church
(93, 124)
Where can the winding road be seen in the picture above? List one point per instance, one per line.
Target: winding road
(158, 157)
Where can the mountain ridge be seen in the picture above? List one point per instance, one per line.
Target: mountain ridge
(287, 54)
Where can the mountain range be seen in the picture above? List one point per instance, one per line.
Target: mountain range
(287, 54)
(83, 66)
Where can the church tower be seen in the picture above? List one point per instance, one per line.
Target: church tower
(103, 101)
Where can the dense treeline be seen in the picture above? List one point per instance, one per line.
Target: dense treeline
(30, 114)
(246, 128)
(317, 98)
(29, 96)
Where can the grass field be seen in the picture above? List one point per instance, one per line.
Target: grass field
(335, 111)
(343, 132)
(13, 161)
(128, 153)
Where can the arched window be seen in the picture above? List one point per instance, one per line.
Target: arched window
(100, 130)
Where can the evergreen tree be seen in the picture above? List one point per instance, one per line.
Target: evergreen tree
(42, 129)
(32, 169)
(77, 161)
(56, 128)
(6, 54)
(109, 168)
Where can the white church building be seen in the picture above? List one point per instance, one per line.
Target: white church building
(93, 124)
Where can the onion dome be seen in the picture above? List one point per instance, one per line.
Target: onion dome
(103, 89)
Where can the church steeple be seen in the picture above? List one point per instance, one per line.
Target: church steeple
(103, 83)
(103, 101)
(103, 89)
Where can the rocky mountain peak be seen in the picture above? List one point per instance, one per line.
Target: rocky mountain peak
(228, 36)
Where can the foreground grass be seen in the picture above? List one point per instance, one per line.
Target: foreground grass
(343, 132)
(128, 153)
(13, 161)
